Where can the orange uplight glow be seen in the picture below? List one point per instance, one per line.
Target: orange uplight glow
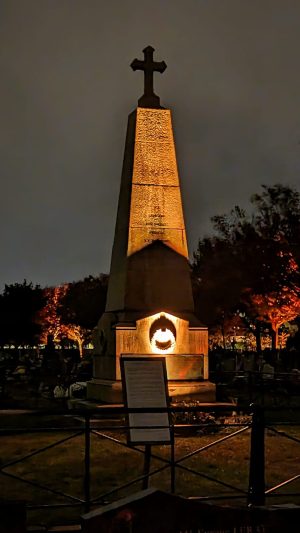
(162, 335)
(156, 208)
(163, 341)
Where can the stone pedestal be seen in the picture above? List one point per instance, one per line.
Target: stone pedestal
(108, 391)
(187, 372)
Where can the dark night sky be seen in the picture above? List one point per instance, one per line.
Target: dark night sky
(233, 83)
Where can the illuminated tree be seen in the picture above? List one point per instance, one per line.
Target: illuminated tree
(49, 318)
(73, 309)
(282, 304)
(277, 308)
(81, 307)
(76, 334)
(84, 301)
(52, 320)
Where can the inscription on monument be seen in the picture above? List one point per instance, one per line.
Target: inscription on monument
(156, 208)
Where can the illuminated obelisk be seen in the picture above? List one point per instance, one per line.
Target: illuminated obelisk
(150, 308)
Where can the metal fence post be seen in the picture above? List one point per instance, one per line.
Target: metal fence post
(87, 461)
(146, 470)
(250, 385)
(173, 471)
(256, 489)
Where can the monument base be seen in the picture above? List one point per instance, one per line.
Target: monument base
(203, 391)
(105, 390)
(109, 391)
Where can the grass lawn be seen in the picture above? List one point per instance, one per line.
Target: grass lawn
(62, 467)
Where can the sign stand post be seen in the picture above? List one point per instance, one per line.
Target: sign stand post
(172, 461)
(145, 386)
(146, 472)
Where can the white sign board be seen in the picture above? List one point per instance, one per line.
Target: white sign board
(145, 385)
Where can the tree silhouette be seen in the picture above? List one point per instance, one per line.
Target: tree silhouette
(20, 305)
(72, 310)
(251, 260)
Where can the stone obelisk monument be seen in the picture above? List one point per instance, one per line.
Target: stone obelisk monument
(150, 308)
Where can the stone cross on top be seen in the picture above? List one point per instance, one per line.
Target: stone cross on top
(149, 98)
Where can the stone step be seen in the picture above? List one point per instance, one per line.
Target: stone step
(54, 529)
(36, 529)
(64, 529)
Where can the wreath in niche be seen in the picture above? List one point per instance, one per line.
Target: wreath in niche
(162, 335)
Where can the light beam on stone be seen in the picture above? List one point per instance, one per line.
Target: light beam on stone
(162, 335)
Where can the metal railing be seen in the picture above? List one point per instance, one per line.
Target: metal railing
(257, 386)
(92, 423)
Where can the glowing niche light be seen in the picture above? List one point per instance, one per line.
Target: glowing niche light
(162, 335)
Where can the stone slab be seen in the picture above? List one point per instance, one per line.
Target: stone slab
(65, 529)
(105, 390)
(111, 391)
(185, 367)
(204, 391)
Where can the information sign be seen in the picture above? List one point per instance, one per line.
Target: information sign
(144, 381)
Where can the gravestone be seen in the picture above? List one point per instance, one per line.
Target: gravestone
(150, 307)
